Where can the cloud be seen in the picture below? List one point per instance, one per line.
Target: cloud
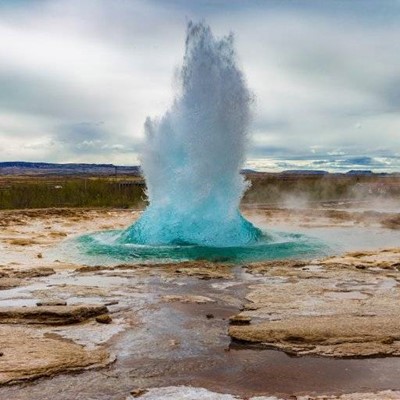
(78, 78)
(362, 161)
(91, 139)
(330, 79)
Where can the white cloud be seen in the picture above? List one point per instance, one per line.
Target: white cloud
(326, 80)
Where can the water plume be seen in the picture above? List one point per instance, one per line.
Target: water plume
(191, 160)
(193, 154)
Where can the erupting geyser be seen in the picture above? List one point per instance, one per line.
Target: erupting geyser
(191, 159)
(193, 154)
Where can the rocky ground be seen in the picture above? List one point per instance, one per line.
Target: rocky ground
(308, 329)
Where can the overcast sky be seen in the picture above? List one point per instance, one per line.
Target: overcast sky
(79, 77)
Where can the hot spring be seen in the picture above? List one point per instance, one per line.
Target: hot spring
(191, 159)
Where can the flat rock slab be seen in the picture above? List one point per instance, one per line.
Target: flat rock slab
(204, 270)
(9, 283)
(196, 393)
(10, 278)
(26, 356)
(385, 259)
(333, 336)
(50, 315)
(188, 299)
(31, 272)
(51, 303)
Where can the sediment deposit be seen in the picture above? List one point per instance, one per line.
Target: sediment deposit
(197, 322)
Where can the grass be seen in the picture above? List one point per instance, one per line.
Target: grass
(71, 192)
(295, 189)
(24, 192)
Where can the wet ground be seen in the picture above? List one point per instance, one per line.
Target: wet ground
(186, 344)
(170, 324)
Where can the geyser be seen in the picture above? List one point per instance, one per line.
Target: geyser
(193, 154)
(191, 159)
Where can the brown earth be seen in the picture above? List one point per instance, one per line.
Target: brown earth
(187, 299)
(344, 306)
(335, 336)
(27, 355)
(50, 315)
(200, 269)
(340, 306)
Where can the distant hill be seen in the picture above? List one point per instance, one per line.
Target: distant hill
(41, 168)
(363, 172)
(248, 171)
(304, 172)
(70, 169)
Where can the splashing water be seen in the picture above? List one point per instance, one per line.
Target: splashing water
(191, 159)
(193, 154)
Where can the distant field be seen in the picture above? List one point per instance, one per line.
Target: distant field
(296, 189)
(291, 190)
(18, 192)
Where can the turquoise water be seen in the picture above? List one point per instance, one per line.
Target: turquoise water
(191, 158)
(178, 228)
(105, 248)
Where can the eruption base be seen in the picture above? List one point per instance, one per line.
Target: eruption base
(173, 227)
(108, 248)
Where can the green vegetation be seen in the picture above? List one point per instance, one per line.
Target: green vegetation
(71, 192)
(19, 192)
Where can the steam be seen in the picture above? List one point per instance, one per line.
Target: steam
(193, 154)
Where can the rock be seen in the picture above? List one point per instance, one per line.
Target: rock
(32, 272)
(392, 223)
(264, 267)
(384, 259)
(9, 283)
(28, 356)
(10, 278)
(50, 315)
(93, 269)
(209, 316)
(333, 336)
(22, 242)
(188, 393)
(51, 303)
(187, 299)
(198, 269)
(112, 303)
(239, 320)
(384, 395)
(138, 392)
(104, 319)
(204, 270)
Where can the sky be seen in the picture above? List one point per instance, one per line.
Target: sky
(78, 78)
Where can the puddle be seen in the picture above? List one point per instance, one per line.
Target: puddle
(179, 352)
(251, 372)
